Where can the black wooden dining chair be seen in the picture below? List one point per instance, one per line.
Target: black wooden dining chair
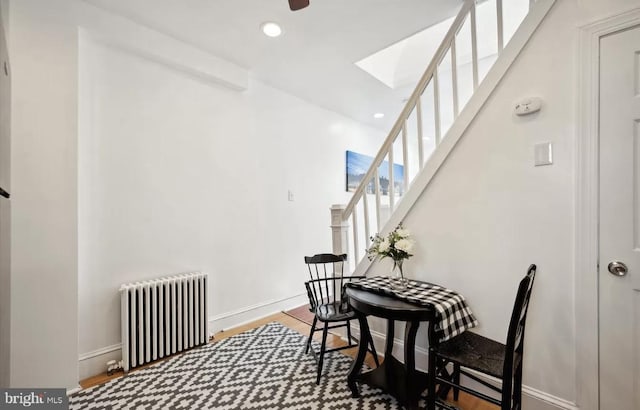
(472, 351)
(328, 303)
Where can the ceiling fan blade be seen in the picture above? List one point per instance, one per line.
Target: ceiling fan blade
(298, 4)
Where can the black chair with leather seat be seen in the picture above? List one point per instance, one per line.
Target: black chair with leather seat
(328, 303)
(472, 351)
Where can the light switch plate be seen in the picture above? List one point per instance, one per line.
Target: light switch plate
(543, 154)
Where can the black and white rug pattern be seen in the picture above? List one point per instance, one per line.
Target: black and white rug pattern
(265, 368)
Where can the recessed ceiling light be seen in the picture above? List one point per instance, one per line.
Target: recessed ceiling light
(271, 29)
(378, 115)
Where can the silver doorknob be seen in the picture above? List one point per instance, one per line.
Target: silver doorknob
(618, 268)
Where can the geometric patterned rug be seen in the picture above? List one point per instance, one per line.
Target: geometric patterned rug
(264, 368)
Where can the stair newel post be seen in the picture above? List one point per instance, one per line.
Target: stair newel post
(340, 233)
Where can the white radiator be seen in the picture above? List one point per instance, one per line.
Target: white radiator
(162, 317)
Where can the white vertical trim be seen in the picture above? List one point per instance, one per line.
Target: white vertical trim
(500, 21)
(391, 191)
(436, 106)
(474, 46)
(454, 77)
(367, 228)
(339, 234)
(586, 205)
(405, 155)
(356, 244)
(420, 142)
(378, 204)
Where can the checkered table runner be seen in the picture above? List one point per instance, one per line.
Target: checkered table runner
(454, 315)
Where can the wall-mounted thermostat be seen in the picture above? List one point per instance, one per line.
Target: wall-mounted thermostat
(528, 106)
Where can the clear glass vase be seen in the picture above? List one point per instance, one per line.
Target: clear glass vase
(400, 282)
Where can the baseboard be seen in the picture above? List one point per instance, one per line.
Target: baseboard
(100, 352)
(550, 401)
(74, 390)
(248, 314)
(534, 399)
(94, 362)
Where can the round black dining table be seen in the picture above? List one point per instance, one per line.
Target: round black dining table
(401, 380)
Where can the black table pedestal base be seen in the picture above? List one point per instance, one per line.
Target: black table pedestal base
(402, 381)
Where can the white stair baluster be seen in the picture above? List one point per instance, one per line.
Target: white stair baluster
(474, 46)
(436, 105)
(454, 78)
(420, 141)
(391, 191)
(356, 245)
(500, 26)
(405, 158)
(378, 205)
(367, 232)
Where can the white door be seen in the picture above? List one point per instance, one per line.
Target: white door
(619, 292)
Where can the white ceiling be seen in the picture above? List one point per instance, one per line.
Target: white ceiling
(314, 58)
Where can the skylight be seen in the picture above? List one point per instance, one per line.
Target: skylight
(402, 63)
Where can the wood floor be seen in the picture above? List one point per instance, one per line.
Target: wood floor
(298, 324)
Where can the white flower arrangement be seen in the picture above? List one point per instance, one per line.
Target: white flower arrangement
(398, 246)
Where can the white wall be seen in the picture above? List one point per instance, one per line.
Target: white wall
(177, 175)
(140, 159)
(488, 213)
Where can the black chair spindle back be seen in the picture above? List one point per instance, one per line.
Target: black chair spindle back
(515, 334)
(476, 352)
(326, 272)
(326, 300)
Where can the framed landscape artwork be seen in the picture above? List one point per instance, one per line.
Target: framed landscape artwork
(357, 167)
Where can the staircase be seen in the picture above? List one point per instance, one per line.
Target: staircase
(481, 44)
